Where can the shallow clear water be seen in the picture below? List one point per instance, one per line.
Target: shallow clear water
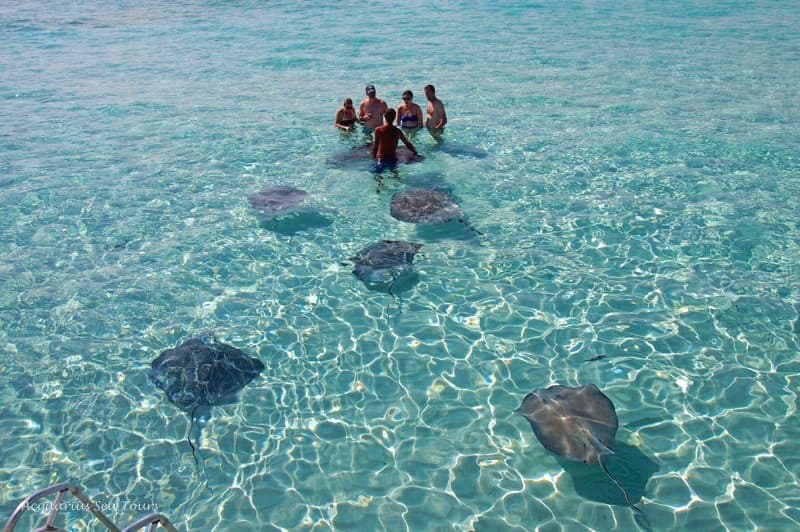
(634, 171)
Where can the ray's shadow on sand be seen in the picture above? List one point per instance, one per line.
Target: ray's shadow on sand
(630, 466)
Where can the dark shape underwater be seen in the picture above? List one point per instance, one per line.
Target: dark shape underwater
(277, 201)
(283, 209)
(425, 205)
(578, 424)
(386, 266)
(360, 157)
(202, 373)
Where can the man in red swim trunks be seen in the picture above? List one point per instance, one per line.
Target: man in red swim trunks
(384, 148)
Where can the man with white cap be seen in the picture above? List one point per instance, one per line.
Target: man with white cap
(371, 111)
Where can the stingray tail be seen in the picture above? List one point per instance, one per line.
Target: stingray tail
(195, 450)
(599, 445)
(616, 483)
(189, 439)
(397, 298)
(470, 226)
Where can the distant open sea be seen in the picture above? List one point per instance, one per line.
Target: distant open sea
(632, 173)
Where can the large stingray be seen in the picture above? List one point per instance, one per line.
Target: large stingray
(284, 209)
(575, 423)
(385, 264)
(200, 373)
(277, 201)
(426, 206)
(361, 157)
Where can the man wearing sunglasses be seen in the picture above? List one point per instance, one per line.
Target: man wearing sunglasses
(370, 113)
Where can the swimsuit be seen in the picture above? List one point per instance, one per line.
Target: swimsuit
(347, 122)
(409, 120)
(386, 138)
(384, 164)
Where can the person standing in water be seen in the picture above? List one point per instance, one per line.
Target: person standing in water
(409, 114)
(346, 116)
(384, 148)
(371, 110)
(437, 117)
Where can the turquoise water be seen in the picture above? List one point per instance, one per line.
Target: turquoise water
(633, 168)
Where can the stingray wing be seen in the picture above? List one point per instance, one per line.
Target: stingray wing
(594, 411)
(231, 371)
(402, 208)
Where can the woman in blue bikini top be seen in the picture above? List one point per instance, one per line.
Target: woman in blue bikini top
(409, 114)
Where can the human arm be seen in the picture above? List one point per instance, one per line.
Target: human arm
(442, 115)
(408, 143)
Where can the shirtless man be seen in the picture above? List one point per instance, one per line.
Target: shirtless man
(384, 148)
(370, 113)
(437, 117)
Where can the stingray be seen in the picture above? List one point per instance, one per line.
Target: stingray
(361, 156)
(277, 201)
(202, 373)
(385, 264)
(426, 206)
(284, 210)
(575, 423)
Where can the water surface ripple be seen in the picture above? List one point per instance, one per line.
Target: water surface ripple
(634, 171)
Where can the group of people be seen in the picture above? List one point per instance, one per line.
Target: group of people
(377, 118)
